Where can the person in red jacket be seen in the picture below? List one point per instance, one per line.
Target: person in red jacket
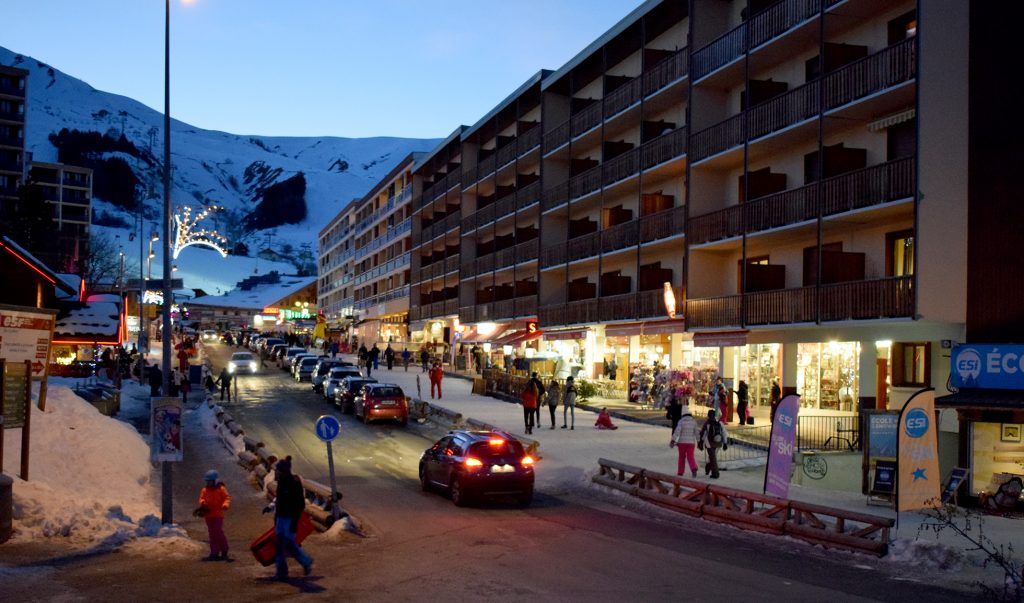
(531, 400)
(213, 501)
(604, 420)
(436, 374)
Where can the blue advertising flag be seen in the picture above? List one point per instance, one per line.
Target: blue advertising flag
(781, 447)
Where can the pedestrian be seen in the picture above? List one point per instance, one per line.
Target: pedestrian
(604, 420)
(424, 358)
(363, 354)
(744, 398)
(389, 357)
(569, 403)
(289, 504)
(673, 410)
(225, 383)
(540, 395)
(210, 384)
(375, 356)
(334, 349)
(182, 357)
(156, 380)
(186, 387)
(406, 357)
(174, 383)
(107, 363)
(214, 500)
(684, 438)
(712, 437)
(776, 397)
(552, 400)
(436, 375)
(613, 369)
(530, 398)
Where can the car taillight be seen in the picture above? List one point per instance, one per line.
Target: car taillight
(472, 463)
(496, 442)
(527, 461)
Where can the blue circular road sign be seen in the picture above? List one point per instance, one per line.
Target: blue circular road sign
(327, 428)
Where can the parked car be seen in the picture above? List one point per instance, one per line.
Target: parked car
(382, 401)
(276, 351)
(297, 358)
(320, 373)
(346, 388)
(304, 368)
(474, 464)
(285, 362)
(267, 343)
(336, 377)
(243, 362)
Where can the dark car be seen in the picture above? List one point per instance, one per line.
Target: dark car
(321, 373)
(477, 464)
(348, 390)
(382, 401)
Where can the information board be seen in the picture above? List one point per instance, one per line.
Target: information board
(15, 389)
(25, 334)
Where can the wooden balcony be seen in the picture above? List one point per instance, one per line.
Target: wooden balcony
(587, 182)
(582, 311)
(485, 168)
(467, 314)
(719, 137)
(662, 224)
(861, 300)
(797, 105)
(529, 140)
(884, 69)
(469, 175)
(505, 258)
(552, 315)
(583, 247)
(506, 154)
(663, 148)
(651, 304)
(616, 307)
(623, 97)
(555, 196)
(553, 255)
(526, 306)
(451, 306)
(721, 51)
(485, 264)
(620, 168)
(862, 188)
(451, 264)
(505, 308)
(527, 251)
(779, 18)
(485, 215)
(556, 137)
(528, 195)
(469, 223)
(665, 72)
(504, 206)
(620, 236)
(586, 119)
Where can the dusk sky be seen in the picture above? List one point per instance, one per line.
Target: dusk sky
(348, 68)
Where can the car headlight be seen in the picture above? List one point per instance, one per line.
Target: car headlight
(231, 367)
(252, 366)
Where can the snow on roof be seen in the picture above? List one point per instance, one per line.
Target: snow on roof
(88, 321)
(257, 298)
(45, 270)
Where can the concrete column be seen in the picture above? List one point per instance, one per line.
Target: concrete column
(867, 374)
(789, 355)
(634, 349)
(675, 350)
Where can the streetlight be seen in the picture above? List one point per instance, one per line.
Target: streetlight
(167, 473)
(153, 238)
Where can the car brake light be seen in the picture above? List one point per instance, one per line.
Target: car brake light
(472, 463)
(496, 442)
(527, 461)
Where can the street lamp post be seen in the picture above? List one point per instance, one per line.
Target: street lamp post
(167, 499)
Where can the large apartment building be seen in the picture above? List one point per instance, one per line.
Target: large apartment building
(13, 82)
(383, 246)
(67, 191)
(336, 273)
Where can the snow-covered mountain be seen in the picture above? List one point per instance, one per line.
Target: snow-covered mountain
(267, 203)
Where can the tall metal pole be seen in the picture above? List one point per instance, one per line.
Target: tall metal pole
(142, 291)
(167, 499)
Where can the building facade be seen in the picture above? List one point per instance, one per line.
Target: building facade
(13, 83)
(336, 272)
(67, 192)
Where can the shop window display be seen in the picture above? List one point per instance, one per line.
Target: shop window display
(641, 383)
(997, 455)
(669, 382)
(827, 376)
(759, 367)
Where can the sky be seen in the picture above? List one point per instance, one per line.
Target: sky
(346, 68)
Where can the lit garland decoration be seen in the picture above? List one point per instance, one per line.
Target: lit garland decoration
(186, 233)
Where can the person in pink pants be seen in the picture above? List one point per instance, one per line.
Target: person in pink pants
(684, 439)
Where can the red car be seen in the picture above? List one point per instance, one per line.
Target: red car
(383, 401)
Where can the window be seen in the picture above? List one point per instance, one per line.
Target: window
(911, 365)
(902, 27)
(899, 253)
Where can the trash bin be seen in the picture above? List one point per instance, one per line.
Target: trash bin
(6, 506)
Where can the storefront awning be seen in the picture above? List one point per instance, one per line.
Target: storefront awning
(719, 339)
(983, 398)
(623, 330)
(664, 327)
(567, 334)
(509, 337)
(521, 336)
(476, 337)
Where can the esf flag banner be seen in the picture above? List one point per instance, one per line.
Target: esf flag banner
(987, 366)
(780, 450)
(918, 485)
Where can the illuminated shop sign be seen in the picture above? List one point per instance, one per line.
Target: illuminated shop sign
(987, 366)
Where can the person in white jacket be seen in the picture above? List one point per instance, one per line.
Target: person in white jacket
(684, 439)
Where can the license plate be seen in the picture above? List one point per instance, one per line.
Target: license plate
(502, 469)
(387, 403)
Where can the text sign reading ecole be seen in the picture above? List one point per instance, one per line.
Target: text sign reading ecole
(327, 428)
(987, 366)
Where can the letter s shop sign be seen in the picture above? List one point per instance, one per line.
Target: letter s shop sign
(987, 366)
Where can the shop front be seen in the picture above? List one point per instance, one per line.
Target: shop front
(827, 375)
(989, 403)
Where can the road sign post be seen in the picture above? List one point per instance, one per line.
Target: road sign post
(328, 428)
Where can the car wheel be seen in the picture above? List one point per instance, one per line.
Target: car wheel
(424, 482)
(524, 500)
(458, 493)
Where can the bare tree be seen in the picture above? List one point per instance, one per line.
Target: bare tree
(102, 262)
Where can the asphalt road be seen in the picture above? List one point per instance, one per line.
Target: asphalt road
(577, 544)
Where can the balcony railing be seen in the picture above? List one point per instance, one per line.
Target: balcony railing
(587, 182)
(485, 263)
(582, 311)
(553, 255)
(779, 18)
(551, 315)
(485, 168)
(718, 138)
(663, 224)
(504, 206)
(555, 196)
(617, 307)
(469, 222)
(623, 97)
(451, 306)
(620, 236)
(884, 69)
(866, 187)
(506, 154)
(527, 251)
(621, 167)
(663, 148)
(528, 140)
(505, 308)
(586, 119)
(504, 258)
(556, 137)
(794, 106)
(451, 264)
(467, 314)
(453, 220)
(878, 298)
(651, 303)
(467, 269)
(485, 215)
(665, 72)
(528, 195)
(584, 247)
(722, 51)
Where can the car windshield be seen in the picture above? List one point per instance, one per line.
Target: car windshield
(357, 384)
(241, 356)
(386, 392)
(503, 450)
(308, 361)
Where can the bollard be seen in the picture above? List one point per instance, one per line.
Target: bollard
(6, 507)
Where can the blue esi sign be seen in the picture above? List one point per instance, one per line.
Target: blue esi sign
(987, 366)
(327, 428)
(916, 423)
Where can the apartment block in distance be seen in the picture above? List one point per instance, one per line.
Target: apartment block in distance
(13, 82)
(336, 273)
(383, 245)
(67, 191)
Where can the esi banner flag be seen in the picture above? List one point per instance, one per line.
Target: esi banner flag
(780, 449)
(919, 482)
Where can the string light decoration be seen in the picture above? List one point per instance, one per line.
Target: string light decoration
(186, 233)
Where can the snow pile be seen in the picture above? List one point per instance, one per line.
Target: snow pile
(89, 477)
(925, 553)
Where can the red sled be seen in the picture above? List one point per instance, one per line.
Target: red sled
(264, 548)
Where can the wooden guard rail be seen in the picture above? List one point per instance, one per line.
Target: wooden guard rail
(835, 528)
